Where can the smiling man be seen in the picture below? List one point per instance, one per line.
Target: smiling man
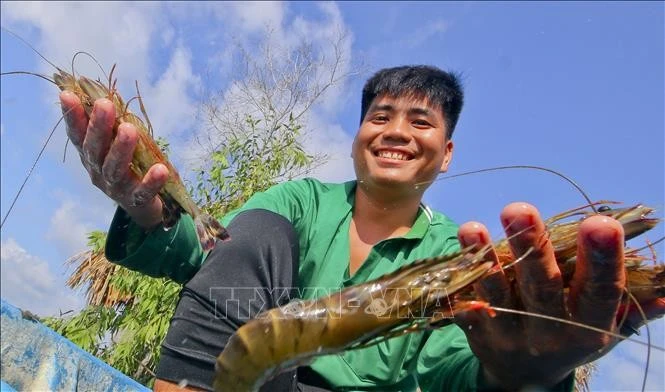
(307, 234)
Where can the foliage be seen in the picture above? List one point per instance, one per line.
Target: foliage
(250, 163)
(125, 326)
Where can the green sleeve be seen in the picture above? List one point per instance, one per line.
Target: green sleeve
(176, 253)
(446, 363)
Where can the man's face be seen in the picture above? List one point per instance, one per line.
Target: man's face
(401, 145)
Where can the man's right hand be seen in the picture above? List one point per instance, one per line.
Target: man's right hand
(107, 159)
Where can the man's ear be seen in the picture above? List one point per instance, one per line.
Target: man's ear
(448, 157)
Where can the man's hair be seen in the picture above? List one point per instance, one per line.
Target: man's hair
(440, 88)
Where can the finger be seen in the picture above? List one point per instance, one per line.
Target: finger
(115, 169)
(99, 134)
(493, 288)
(153, 181)
(599, 278)
(75, 118)
(538, 276)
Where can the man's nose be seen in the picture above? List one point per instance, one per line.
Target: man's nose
(397, 130)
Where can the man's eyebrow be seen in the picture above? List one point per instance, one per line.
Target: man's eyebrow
(382, 108)
(422, 111)
(386, 107)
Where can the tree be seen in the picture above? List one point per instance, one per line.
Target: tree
(254, 134)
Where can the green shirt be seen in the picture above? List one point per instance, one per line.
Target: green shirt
(321, 215)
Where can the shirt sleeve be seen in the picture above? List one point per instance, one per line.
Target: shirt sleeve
(446, 363)
(176, 253)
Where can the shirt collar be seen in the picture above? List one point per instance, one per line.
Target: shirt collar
(420, 226)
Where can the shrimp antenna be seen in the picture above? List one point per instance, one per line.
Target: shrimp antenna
(646, 326)
(650, 245)
(127, 104)
(576, 324)
(142, 106)
(64, 153)
(32, 168)
(93, 59)
(570, 181)
(27, 73)
(30, 46)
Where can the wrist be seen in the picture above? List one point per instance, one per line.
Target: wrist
(144, 217)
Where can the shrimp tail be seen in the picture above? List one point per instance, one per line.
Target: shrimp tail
(209, 228)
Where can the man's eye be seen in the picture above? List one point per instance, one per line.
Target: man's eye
(380, 119)
(421, 123)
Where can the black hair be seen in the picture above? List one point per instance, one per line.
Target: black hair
(440, 88)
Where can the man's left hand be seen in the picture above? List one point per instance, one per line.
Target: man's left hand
(517, 351)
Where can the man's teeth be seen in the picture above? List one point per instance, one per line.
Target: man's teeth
(393, 155)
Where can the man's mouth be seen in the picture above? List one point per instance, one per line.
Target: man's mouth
(397, 155)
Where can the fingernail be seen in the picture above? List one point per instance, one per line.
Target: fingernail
(98, 112)
(67, 93)
(603, 238)
(122, 137)
(602, 244)
(518, 223)
(471, 238)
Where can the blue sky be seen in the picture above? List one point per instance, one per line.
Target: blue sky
(576, 87)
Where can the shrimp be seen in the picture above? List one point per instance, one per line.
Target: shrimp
(425, 294)
(646, 282)
(303, 330)
(175, 197)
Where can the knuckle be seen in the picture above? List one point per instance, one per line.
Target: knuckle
(604, 292)
(141, 197)
(111, 173)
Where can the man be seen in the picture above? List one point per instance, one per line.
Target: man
(308, 234)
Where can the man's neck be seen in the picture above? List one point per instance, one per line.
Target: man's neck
(377, 217)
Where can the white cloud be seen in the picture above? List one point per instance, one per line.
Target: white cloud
(324, 35)
(252, 16)
(111, 31)
(425, 33)
(330, 139)
(73, 220)
(170, 107)
(28, 283)
(67, 228)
